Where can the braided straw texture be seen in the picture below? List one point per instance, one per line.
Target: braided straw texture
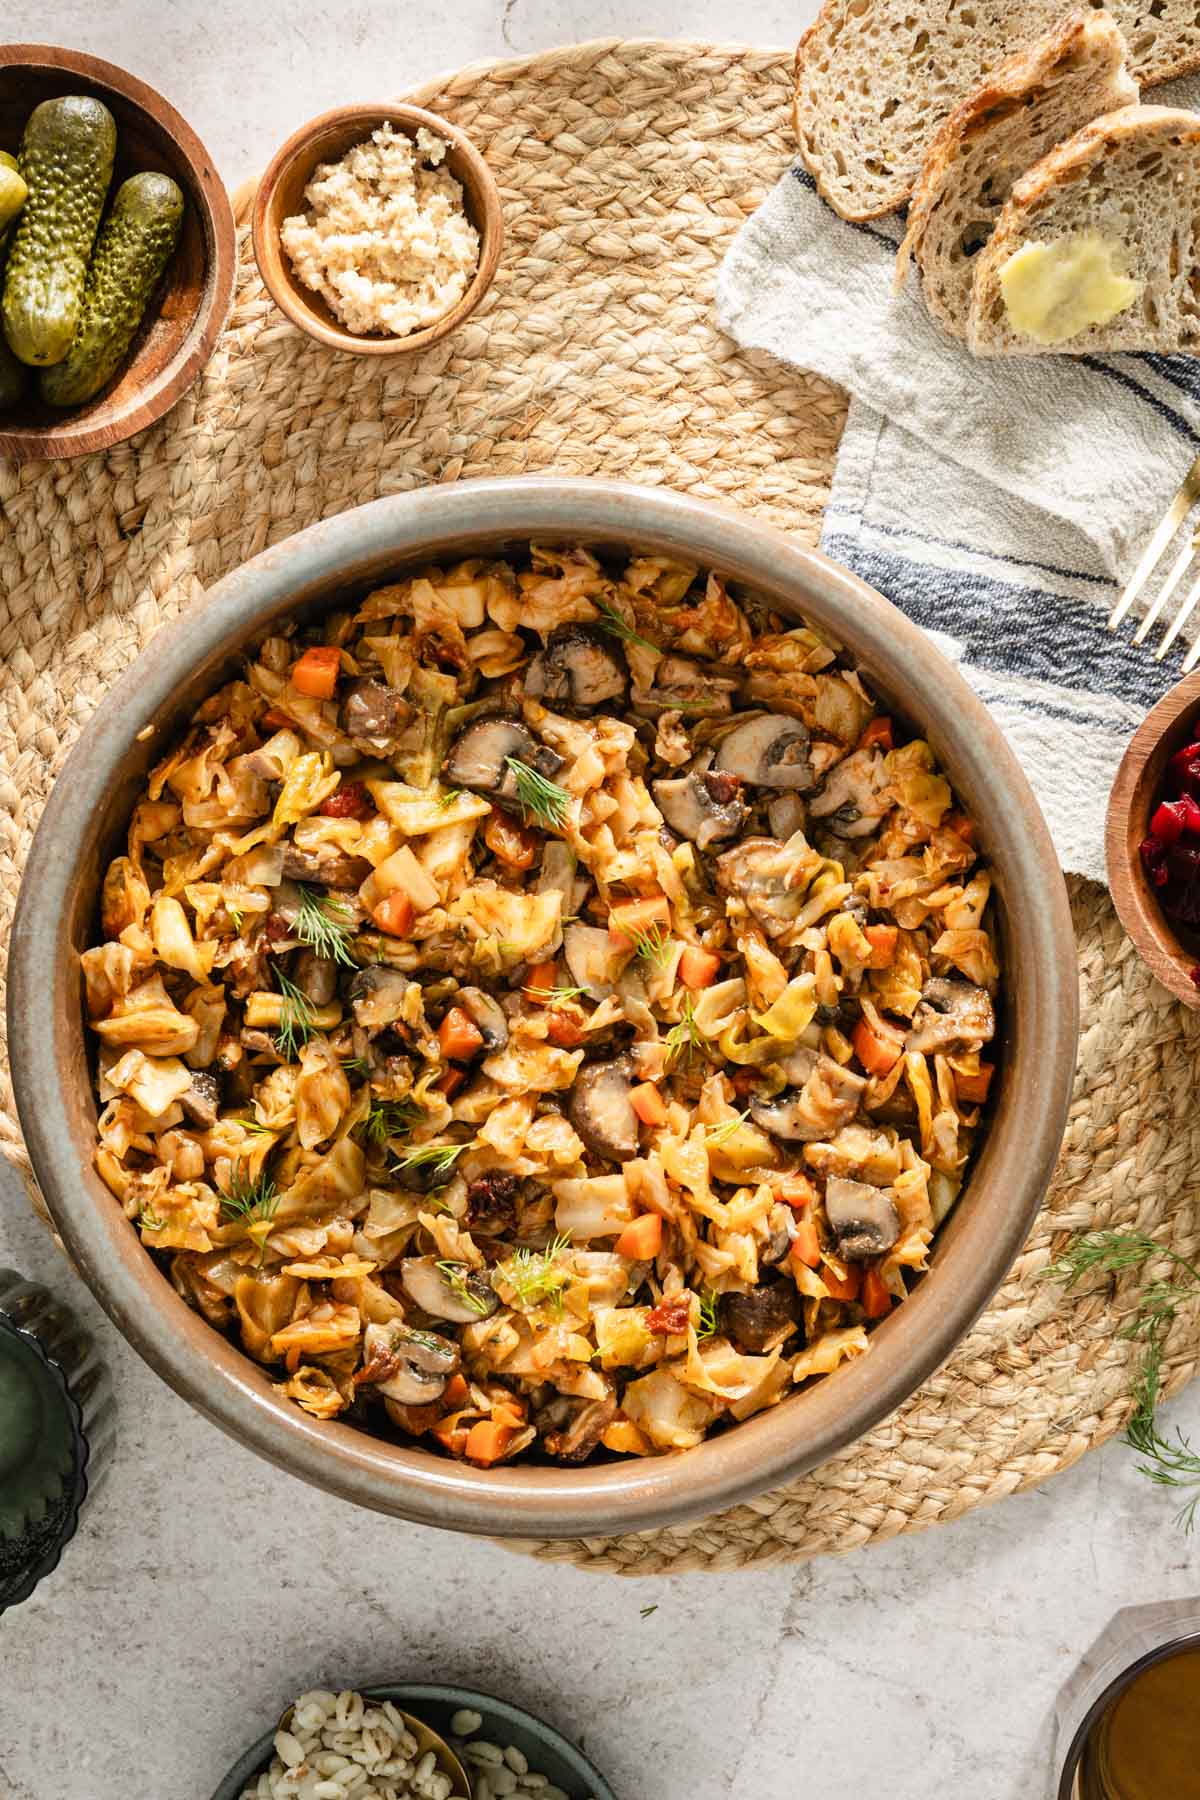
(625, 169)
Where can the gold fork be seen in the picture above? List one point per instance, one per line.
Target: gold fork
(1186, 497)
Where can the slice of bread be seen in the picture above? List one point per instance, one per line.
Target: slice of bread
(1075, 73)
(876, 79)
(1132, 181)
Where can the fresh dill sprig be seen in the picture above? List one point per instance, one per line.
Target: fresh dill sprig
(439, 1159)
(1166, 1461)
(388, 1118)
(646, 1611)
(534, 1276)
(297, 1021)
(150, 1221)
(541, 798)
(708, 1315)
(237, 917)
(721, 1134)
(555, 996)
(326, 925)
(248, 1198)
(685, 1038)
(256, 1125)
(652, 946)
(355, 1065)
(455, 1277)
(446, 800)
(618, 627)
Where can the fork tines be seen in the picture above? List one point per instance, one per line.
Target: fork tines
(1186, 497)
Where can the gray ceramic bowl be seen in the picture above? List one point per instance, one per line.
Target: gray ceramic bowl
(340, 558)
(547, 1750)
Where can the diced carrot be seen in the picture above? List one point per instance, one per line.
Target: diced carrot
(394, 913)
(876, 1054)
(275, 720)
(637, 915)
(648, 1104)
(974, 1088)
(459, 1036)
(876, 1295)
(962, 827)
(293, 1358)
(878, 734)
(840, 1289)
(624, 1437)
(805, 1248)
(540, 985)
(563, 1029)
(511, 842)
(698, 968)
(642, 1239)
(456, 1391)
(450, 1082)
(487, 1442)
(794, 1190)
(882, 939)
(508, 1412)
(316, 672)
(452, 1435)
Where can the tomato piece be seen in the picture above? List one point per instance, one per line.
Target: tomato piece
(509, 842)
(350, 801)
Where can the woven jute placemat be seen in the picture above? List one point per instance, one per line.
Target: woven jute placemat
(625, 170)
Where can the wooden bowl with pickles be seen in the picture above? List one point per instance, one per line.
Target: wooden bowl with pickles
(188, 299)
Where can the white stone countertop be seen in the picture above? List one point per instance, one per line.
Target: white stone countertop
(205, 1588)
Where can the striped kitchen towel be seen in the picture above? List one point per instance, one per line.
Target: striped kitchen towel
(997, 503)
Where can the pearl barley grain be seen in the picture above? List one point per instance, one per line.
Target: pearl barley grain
(464, 1723)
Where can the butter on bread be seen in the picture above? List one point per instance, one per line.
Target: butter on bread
(1114, 216)
(876, 79)
(1076, 72)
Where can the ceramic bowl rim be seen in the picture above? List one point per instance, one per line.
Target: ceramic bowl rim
(978, 1243)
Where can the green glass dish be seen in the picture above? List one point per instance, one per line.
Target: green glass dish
(55, 1424)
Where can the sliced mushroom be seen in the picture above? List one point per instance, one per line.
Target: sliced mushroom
(863, 1218)
(680, 685)
(768, 750)
(372, 714)
(828, 1099)
(316, 976)
(574, 1441)
(464, 1300)
(479, 758)
(602, 1112)
(704, 808)
(409, 1367)
(487, 1014)
(953, 1015)
(202, 1099)
(856, 795)
(762, 872)
(780, 1235)
(761, 1318)
(579, 667)
(335, 871)
(377, 994)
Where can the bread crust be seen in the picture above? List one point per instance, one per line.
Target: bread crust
(1039, 185)
(834, 14)
(1020, 76)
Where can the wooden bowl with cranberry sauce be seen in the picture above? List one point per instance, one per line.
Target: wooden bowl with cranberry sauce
(1169, 945)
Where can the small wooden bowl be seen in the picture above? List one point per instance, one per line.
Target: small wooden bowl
(185, 315)
(1169, 951)
(281, 195)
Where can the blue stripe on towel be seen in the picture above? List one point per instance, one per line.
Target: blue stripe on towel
(833, 511)
(1126, 380)
(1010, 629)
(801, 175)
